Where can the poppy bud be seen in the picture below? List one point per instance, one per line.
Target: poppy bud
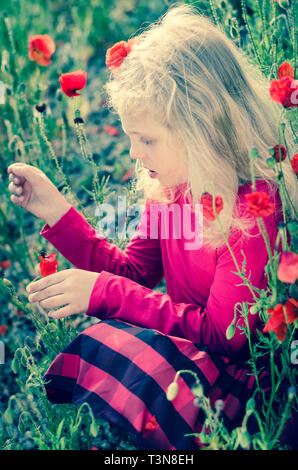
(8, 285)
(254, 309)
(293, 291)
(250, 404)
(40, 108)
(292, 226)
(291, 393)
(219, 405)
(197, 402)
(172, 391)
(8, 416)
(254, 152)
(197, 389)
(283, 299)
(93, 429)
(230, 331)
(271, 162)
(78, 120)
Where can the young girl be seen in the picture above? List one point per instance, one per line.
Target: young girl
(193, 106)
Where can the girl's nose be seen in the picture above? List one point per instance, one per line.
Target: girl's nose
(134, 154)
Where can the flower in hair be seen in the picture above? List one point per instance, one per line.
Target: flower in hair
(117, 53)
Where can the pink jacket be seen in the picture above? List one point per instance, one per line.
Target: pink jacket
(202, 289)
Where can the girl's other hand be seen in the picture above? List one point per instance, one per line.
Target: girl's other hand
(71, 288)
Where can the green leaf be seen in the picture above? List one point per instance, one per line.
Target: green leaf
(59, 429)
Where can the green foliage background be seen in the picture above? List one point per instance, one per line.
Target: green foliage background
(82, 31)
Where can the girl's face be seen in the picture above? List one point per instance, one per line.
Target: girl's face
(151, 142)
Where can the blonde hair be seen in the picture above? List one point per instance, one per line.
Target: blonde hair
(191, 78)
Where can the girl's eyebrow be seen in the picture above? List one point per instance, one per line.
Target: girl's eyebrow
(132, 132)
(136, 132)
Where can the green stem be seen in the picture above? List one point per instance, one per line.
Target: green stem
(257, 416)
(273, 389)
(292, 17)
(263, 231)
(53, 154)
(245, 281)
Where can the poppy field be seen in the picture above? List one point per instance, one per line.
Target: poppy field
(53, 115)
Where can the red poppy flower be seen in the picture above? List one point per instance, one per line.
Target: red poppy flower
(112, 130)
(116, 54)
(288, 267)
(20, 313)
(151, 424)
(278, 322)
(48, 265)
(258, 204)
(70, 82)
(5, 264)
(126, 176)
(286, 70)
(284, 91)
(294, 163)
(207, 201)
(41, 47)
(280, 154)
(3, 330)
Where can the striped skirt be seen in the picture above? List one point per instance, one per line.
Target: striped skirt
(123, 372)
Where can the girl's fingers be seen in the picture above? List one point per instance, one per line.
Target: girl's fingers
(61, 313)
(17, 199)
(17, 190)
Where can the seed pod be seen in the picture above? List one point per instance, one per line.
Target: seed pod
(271, 162)
(230, 331)
(93, 429)
(172, 391)
(250, 404)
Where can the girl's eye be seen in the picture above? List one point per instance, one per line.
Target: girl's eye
(147, 142)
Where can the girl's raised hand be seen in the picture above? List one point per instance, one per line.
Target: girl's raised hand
(71, 288)
(34, 191)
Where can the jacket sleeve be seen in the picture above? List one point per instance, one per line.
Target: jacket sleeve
(123, 299)
(79, 243)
